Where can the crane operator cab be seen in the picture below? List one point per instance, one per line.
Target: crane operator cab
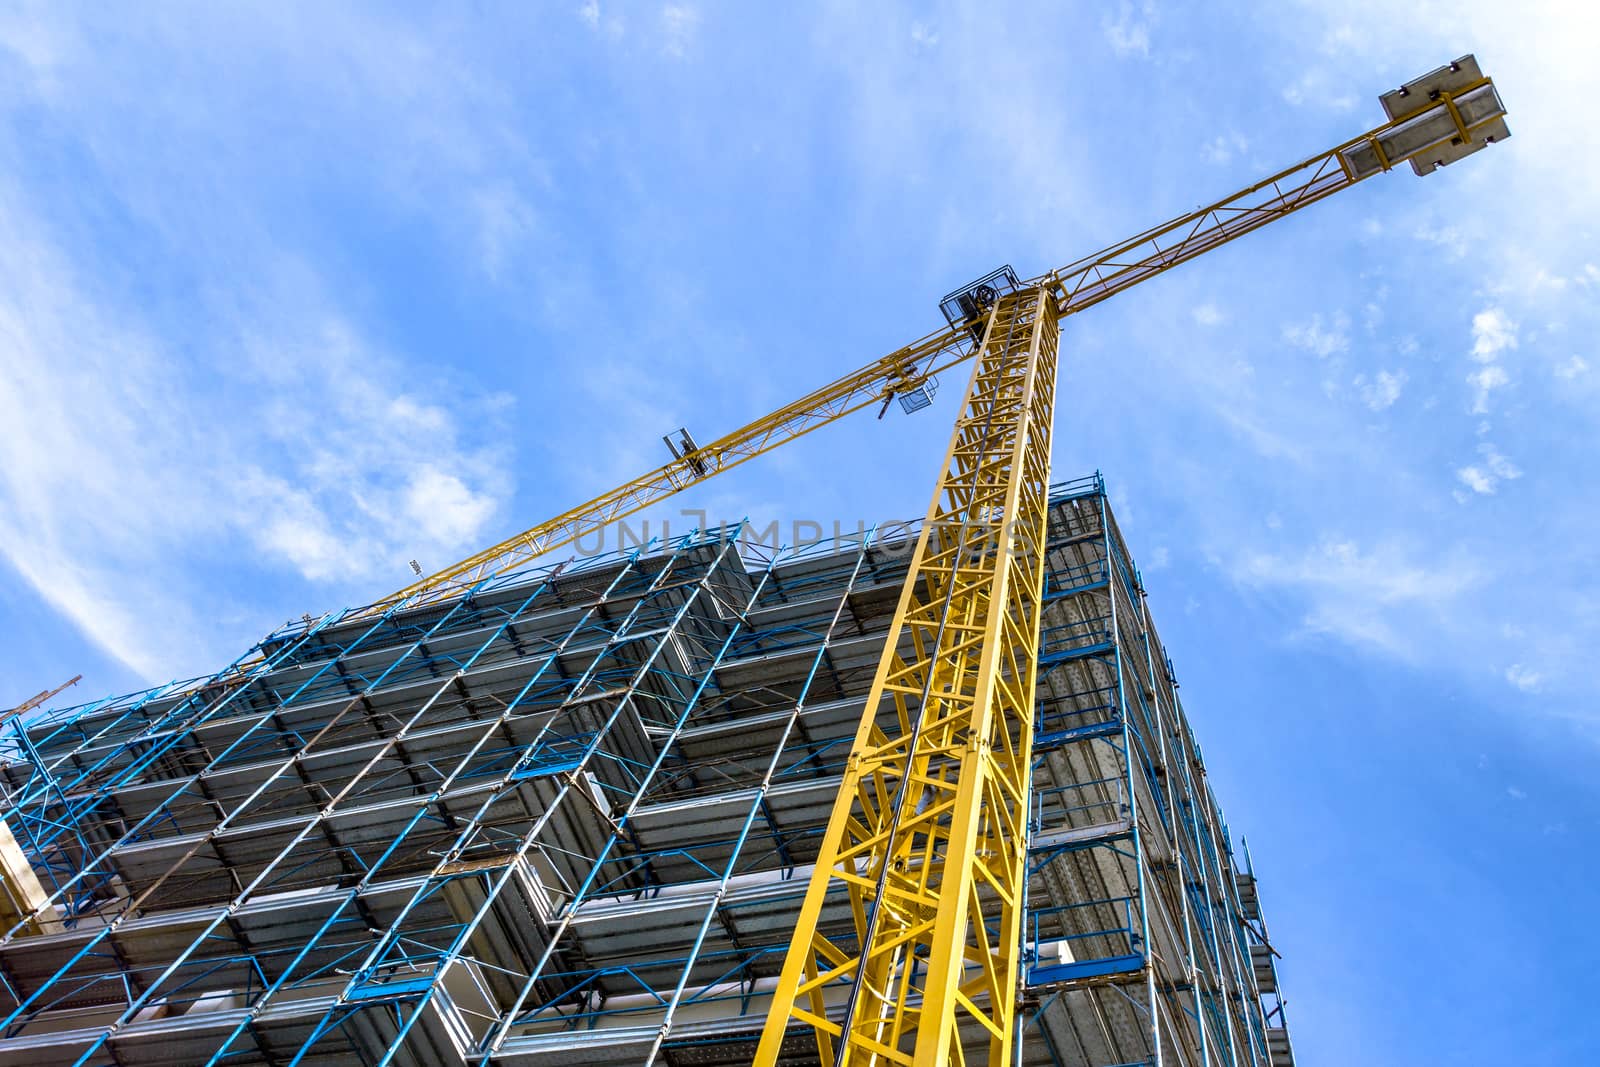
(965, 309)
(969, 305)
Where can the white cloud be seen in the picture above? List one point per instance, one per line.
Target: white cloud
(1484, 478)
(1223, 147)
(1315, 338)
(1342, 39)
(1208, 315)
(1128, 32)
(160, 473)
(40, 44)
(1523, 678)
(612, 25)
(1506, 271)
(1476, 479)
(679, 25)
(1485, 381)
(504, 221)
(1372, 313)
(1383, 390)
(1316, 87)
(296, 530)
(1492, 333)
(111, 477)
(1572, 368)
(444, 509)
(923, 35)
(1515, 794)
(1159, 558)
(1499, 465)
(1449, 238)
(1377, 597)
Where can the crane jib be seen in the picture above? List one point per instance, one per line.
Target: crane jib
(1435, 120)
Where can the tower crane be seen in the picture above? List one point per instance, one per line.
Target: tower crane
(911, 929)
(926, 845)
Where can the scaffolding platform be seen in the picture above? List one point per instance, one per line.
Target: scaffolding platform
(569, 817)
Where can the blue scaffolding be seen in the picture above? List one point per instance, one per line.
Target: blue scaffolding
(568, 816)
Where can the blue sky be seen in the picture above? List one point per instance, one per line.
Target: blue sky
(290, 295)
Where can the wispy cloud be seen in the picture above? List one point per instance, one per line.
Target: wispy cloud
(1368, 596)
(119, 464)
(1572, 368)
(1484, 382)
(613, 25)
(1524, 678)
(161, 471)
(1128, 30)
(1485, 476)
(680, 24)
(1317, 88)
(1322, 341)
(1383, 389)
(1223, 147)
(1450, 238)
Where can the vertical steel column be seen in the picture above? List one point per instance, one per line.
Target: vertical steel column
(760, 798)
(928, 836)
(1115, 570)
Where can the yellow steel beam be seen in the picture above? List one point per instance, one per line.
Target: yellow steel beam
(928, 835)
(1473, 107)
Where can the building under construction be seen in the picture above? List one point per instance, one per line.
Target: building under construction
(923, 795)
(569, 820)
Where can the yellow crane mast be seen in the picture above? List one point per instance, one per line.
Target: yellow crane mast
(929, 834)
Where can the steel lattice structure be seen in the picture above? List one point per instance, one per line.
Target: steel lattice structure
(574, 818)
(892, 800)
(927, 836)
